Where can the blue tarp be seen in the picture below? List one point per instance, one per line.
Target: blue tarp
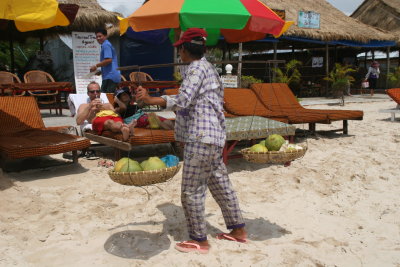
(147, 48)
(371, 44)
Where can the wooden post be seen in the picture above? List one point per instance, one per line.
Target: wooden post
(12, 58)
(275, 58)
(373, 55)
(365, 59)
(327, 65)
(387, 66)
(239, 72)
(293, 54)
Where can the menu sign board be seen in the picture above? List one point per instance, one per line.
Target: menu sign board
(86, 52)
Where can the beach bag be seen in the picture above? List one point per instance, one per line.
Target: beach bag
(365, 84)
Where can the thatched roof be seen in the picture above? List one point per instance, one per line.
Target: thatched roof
(383, 14)
(334, 24)
(90, 17)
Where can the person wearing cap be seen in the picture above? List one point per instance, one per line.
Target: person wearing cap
(124, 105)
(102, 116)
(372, 76)
(111, 76)
(200, 126)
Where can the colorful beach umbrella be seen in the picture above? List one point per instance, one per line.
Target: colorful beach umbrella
(236, 20)
(29, 15)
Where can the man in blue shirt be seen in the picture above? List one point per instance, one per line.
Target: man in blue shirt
(108, 63)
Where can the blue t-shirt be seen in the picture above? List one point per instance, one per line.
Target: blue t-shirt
(110, 71)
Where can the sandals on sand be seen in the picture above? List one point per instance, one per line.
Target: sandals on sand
(187, 246)
(105, 163)
(223, 236)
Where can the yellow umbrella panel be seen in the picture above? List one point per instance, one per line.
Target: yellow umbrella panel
(30, 15)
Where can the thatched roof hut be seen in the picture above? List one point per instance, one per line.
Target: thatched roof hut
(90, 17)
(383, 14)
(334, 24)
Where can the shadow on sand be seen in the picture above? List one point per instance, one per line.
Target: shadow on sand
(138, 244)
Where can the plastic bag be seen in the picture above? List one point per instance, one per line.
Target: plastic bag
(365, 84)
(170, 160)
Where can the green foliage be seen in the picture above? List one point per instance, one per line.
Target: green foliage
(394, 78)
(290, 74)
(246, 81)
(251, 79)
(22, 53)
(340, 77)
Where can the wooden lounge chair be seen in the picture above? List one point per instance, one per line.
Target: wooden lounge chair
(394, 93)
(279, 97)
(142, 136)
(23, 133)
(8, 77)
(243, 102)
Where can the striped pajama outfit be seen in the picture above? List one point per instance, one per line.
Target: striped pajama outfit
(203, 167)
(200, 124)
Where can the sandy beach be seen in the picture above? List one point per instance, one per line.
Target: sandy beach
(337, 206)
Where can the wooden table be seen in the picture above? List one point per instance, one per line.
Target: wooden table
(50, 86)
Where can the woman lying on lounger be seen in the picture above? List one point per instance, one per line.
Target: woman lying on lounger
(124, 105)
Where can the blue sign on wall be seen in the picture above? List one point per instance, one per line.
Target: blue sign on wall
(308, 19)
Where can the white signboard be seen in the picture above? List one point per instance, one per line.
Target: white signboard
(86, 52)
(317, 62)
(229, 81)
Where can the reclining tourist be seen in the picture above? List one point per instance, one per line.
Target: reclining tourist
(102, 116)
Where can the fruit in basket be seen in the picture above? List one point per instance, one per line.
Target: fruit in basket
(154, 163)
(120, 163)
(274, 142)
(258, 148)
(293, 148)
(143, 164)
(127, 165)
(262, 142)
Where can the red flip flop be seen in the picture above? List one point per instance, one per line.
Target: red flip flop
(223, 236)
(194, 247)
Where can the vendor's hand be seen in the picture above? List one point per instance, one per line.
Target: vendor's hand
(142, 94)
(93, 68)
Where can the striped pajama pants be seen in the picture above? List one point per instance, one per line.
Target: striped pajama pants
(203, 167)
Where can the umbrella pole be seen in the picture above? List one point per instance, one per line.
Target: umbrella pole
(239, 73)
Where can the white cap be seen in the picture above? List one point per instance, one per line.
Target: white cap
(228, 68)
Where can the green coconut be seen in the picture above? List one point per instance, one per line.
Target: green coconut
(143, 164)
(133, 166)
(120, 164)
(258, 148)
(274, 142)
(262, 142)
(154, 163)
(127, 165)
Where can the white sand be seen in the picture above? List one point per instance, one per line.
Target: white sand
(337, 206)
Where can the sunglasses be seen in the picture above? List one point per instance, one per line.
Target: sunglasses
(94, 91)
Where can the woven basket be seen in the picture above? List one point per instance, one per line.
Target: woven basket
(273, 156)
(142, 178)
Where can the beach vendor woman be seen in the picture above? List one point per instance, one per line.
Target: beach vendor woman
(200, 126)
